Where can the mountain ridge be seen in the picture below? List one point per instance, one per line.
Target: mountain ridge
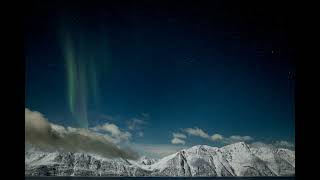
(238, 159)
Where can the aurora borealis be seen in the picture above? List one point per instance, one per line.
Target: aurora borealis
(153, 69)
(82, 81)
(71, 66)
(77, 85)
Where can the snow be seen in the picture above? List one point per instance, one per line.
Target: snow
(162, 163)
(201, 160)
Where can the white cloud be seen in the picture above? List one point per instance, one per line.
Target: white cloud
(114, 131)
(179, 135)
(176, 140)
(196, 132)
(39, 132)
(216, 137)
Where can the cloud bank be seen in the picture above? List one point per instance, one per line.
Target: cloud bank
(39, 132)
(180, 138)
(114, 131)
(177, 137)
(196, 132)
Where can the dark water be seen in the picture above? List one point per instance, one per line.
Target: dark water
(161, 178)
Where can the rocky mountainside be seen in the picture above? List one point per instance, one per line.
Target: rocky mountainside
(237, 159)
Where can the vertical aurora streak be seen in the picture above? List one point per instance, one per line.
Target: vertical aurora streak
(82, 52)
(79, 69)
(71, 73)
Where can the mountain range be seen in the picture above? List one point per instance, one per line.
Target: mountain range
(238, 159)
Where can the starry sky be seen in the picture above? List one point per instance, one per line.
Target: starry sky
(156, 68)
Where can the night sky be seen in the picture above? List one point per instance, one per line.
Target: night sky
(222, 67)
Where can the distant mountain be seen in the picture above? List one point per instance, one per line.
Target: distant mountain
(146, 161)
(237, 159)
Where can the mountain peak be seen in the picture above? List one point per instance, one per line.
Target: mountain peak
(240, 144)
(201, 147)
(146, 161)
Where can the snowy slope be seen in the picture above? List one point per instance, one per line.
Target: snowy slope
(78, 164)
(237, 159)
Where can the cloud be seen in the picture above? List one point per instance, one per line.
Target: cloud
(201, 133)
(176, 140)
(36, 125)
(114, 132)
(140, 134)
(179, 135)
(241, 138)
(216, 137)
(196, 132)
(39, 132)
(284, 144)
(237, 138)
(135, 124)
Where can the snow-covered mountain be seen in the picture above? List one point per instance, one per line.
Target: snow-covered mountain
(78, 164)
(237, 159)
(146, 161)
